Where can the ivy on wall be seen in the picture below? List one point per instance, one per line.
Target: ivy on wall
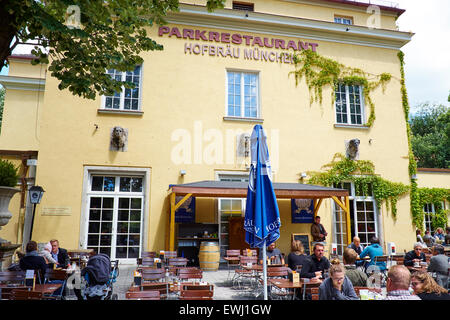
(420, 196)
(319, 72)
(435, 196)
(362, 174)
(415, 204)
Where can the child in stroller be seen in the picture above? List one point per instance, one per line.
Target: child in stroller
(99, 277)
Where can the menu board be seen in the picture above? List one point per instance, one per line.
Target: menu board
(304, 238)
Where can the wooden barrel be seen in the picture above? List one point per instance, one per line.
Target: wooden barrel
(209, 256)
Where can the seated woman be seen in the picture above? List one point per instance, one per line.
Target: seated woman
(337, 286)
(356, 276)
(32, 261)
(426, 288)
(298, 259)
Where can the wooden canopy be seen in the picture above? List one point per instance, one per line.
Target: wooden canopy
(232, 189)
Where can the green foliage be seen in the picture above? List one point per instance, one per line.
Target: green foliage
(320, 72)
(362, 173)
(2, 103)
(415, 205)
(435, 196)
(8, 174)
(113, 33)
(430, 128)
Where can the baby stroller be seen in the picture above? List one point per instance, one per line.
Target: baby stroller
(99, 276)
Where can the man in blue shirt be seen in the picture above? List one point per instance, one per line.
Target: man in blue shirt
(374, 250)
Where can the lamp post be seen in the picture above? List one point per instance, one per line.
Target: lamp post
(35, 193)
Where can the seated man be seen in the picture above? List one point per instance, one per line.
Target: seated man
(428, 239)
(358, 247)
(357, 277)
(33, 261)
(374, 250)
(59, 254)
(398, 283)
(273, 254)
(439, 263)
(415, 255)
(319, 262)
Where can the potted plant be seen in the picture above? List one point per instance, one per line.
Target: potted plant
(8, 180)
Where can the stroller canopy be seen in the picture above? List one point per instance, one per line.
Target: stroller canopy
(98, 268)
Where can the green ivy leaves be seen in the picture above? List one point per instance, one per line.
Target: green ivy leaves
(319, 72)
(362, 174)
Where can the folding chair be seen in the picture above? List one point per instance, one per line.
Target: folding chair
(196, 295)
(153, 275)
(232, 259)
(277, 273)
(56, 276)
(22, 294)
(185, 274)
(13, 277)
(143, 295)
(244, 274)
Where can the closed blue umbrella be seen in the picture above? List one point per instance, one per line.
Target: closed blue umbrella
(262, 217)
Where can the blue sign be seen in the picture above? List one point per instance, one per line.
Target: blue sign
(302, 210)
(186, 212)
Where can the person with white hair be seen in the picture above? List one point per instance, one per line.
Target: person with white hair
(415, 255)
(47, 255)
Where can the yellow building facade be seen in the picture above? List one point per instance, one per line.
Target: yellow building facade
(219, 74)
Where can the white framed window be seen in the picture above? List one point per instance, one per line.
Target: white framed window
(126, 99)
(343, 20)
(349, 104)
(115, 207)
(242, 94)
(429, 211)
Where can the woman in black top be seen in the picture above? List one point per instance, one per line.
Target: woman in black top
(426, 288)
(298, 258)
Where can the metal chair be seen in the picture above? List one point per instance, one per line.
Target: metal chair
(56, 276)
(233, 260)
(241, 273)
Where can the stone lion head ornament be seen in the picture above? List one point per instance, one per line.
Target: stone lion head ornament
(119, 139)
(352, 149)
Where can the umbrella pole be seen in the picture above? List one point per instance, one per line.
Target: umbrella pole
(265, 270)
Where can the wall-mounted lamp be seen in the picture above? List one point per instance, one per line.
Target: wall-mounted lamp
(182, 172)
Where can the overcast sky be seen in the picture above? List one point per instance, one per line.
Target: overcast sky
(427, 56)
